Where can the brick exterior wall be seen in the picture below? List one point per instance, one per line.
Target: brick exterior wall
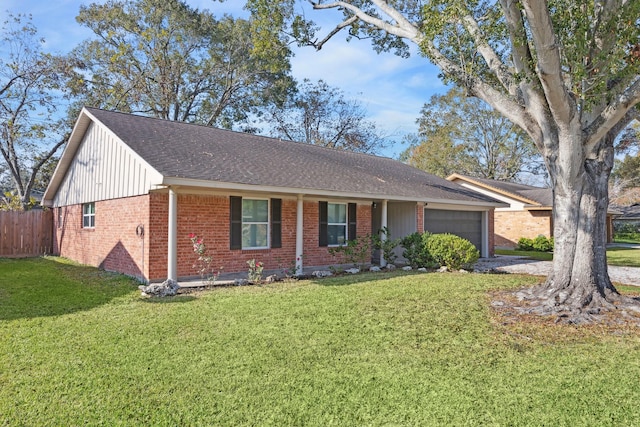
(113, 244)
(208, 217)
(420, 217)
(510, 226)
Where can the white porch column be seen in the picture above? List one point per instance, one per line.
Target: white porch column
(383, 224)
(299, 234)
(172, 238)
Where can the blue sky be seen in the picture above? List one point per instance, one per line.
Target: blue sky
(392, 89)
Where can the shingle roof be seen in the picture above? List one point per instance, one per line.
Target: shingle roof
(196, 152)
(628, 212)
(539, 195)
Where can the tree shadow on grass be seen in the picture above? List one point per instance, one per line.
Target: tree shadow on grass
(177, 299)
(345, 279)
(51, 286)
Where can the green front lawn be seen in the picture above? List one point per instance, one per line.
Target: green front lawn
(633, 238)
(81, 347)
(541, 256)
(626, 257)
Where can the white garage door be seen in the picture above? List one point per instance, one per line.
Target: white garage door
(461, 223)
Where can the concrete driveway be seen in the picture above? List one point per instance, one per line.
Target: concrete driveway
(516, 264)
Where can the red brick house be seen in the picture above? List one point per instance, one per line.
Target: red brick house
(129, 190)
(529, 212)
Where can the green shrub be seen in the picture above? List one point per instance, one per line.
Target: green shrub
(543, 244)
(387, 246)
(452, 251)
(415, 250)
(525, 244)
(539, 244)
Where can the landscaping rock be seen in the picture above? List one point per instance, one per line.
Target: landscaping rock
(271, 279)
(168, 288)
(422, 270)
(462, 271)
(322, 273)
(352, 270)
(241, 282)
(375, 269)
(443, 269)
(407, 268)
(390, 267)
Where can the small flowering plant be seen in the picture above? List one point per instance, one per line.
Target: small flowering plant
(255, 271)
(203, 261)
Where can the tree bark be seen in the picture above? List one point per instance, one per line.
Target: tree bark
(579, 285)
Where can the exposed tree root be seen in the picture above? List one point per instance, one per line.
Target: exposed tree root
(578, 308)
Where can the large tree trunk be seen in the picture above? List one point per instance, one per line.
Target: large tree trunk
(579, 285)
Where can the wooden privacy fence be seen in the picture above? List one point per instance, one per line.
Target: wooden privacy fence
(25, 234)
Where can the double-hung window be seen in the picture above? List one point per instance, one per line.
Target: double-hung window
(337, 223)
(89, 215)
(255, 224)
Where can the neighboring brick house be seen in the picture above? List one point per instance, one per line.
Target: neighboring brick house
(129, 190)
(529, 213)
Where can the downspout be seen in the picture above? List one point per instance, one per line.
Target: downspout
(172, 238)
(299, 235)
(383, 236)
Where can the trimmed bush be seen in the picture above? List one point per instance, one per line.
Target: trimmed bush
(539, 244)
(543, 244)
(415, 251)
(452, 251)
(525, 244)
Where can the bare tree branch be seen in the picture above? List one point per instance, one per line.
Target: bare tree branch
(548, 59)
(613, 113)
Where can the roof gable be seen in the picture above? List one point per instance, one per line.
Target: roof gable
(97, 165)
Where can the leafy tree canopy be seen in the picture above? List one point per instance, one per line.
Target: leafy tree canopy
(459, 134)
(166, 59)
(32, 99)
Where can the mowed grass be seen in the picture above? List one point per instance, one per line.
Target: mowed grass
(620, 256)
(78, 346)
(626, 257)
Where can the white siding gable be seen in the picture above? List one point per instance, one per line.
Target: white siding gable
(515, 205)
(104, 168)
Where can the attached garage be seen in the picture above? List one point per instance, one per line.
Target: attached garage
(466, 224)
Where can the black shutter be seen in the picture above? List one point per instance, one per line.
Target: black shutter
(323, 236)
(276, 223)
(352, 221)
(235, 216)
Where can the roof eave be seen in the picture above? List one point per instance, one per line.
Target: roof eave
(500, 191)
(231, 186)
